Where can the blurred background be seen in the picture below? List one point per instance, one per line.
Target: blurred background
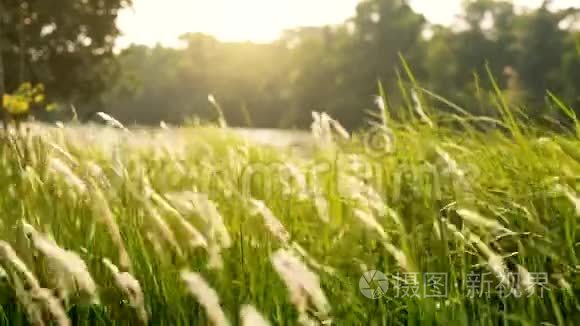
(270, 63)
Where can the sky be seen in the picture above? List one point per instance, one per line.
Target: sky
(162, 21)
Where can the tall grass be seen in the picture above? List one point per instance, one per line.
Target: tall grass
(199, 226)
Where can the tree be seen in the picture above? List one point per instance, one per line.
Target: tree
(2, 85)
(316, 72)
(457, 60)
(382, 31)
(543, 47)
(336, 68)
(66, 46)
(570, 71)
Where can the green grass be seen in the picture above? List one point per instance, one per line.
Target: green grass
(438, 201)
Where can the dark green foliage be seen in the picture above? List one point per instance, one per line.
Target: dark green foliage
(66, 45)
(336, 68)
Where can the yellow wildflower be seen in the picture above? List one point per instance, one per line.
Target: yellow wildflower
(39, 98)
(16, 104)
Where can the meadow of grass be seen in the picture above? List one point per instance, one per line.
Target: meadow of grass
(103, 227)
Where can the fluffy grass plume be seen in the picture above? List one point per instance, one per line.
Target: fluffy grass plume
(491, 212)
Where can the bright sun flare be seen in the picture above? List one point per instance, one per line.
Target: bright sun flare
(152, 21)
(155, 21)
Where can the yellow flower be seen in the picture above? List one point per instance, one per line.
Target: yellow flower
(39, 98)
(25, 87)
(24, 98)
(51, 107)
(16, 104)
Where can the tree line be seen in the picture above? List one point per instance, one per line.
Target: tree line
(493, 49)
(65, 47)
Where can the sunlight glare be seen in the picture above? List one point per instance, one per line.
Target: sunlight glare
(153, 21)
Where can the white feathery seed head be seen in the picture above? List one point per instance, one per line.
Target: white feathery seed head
(111, 121)
(9, 256)
(399, 256)
(299, 180)
(217, 228)
(370, 222)
(273, 224)
(251, 317)
(67, 174)
(452, 165)
(65, 260)
(206, 296)
(161, 225)
(311, 261)
(526, 282)
(365, 196)
(65, 154)
(196, 238)
(340, 130)
(322, 209)
(321, 129)
(211, 99)
(131, 287)
(52, 305)
(495, 262)
(477, 219)
(105, 216)
(303, 285)
(33, 298)
(571, 196)
(419, 109)
(380, 103)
